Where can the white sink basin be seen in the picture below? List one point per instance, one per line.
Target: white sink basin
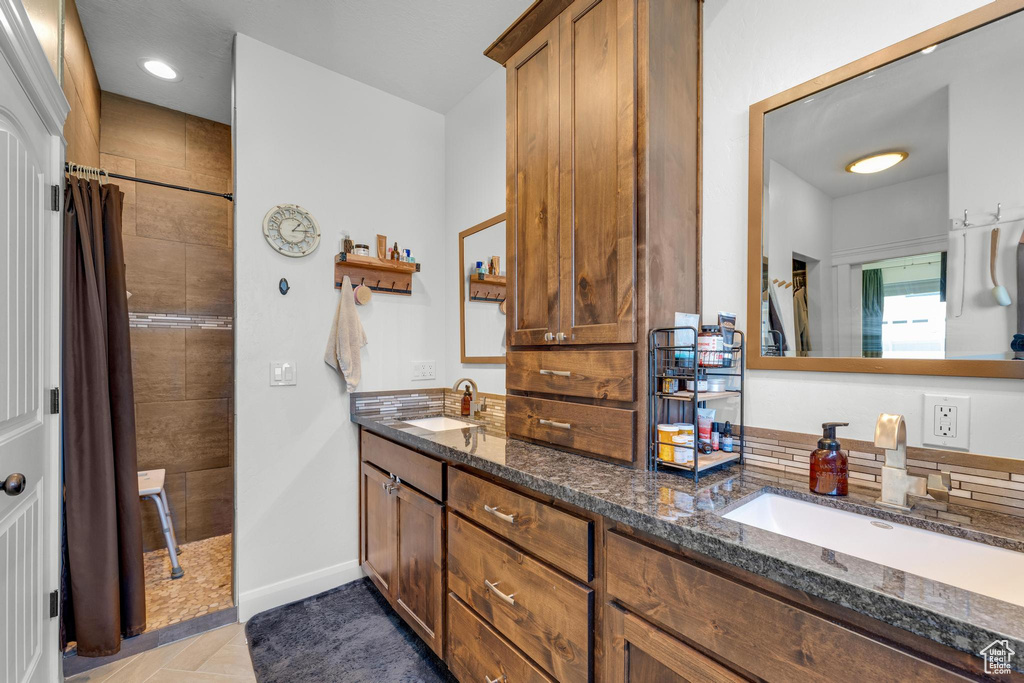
(995, 572)
(439, 424)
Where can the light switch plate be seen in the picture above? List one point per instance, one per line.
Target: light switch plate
(947, 421)
(424, 369)
(283, 373)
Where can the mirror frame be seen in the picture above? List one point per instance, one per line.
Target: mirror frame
(494, 360)
(892, 366)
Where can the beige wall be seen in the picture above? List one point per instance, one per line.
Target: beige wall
(81, 87)
(178, 258)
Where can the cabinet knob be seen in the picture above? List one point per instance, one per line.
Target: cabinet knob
(548, 336)
(560, 336)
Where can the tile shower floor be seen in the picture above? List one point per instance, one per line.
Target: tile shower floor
(205, 588)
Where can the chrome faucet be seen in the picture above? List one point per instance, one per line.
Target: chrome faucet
(475, 405)
(898, 485)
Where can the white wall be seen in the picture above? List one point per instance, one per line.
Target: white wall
(359, 160)
(474, 132)
(799, 226)
(754, 49)
(986, 144)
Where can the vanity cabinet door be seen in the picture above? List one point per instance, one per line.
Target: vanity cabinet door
(532, 190)
(419, 590)
(640, 653)
(379, 529)
(597, 184)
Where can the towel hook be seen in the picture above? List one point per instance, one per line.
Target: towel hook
(967, 223)
(999, 212)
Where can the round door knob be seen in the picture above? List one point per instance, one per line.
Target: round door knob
(14, 484)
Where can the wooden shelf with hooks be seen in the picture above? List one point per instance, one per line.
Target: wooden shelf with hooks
(388, 277)
(487, 288)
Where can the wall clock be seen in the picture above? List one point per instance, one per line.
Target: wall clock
(291, 230)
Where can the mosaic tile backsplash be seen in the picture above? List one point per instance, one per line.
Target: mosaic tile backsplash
(978, 481)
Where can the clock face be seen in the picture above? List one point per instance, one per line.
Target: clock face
(291, 230)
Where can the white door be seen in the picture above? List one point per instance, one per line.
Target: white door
(29, 235)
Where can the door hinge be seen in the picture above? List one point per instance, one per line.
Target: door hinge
(54, 604)
(55, 197)
(54, 401)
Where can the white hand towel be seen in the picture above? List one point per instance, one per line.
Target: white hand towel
(347, 337)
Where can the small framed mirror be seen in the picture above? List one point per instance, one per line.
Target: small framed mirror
(482, 291)
(886, 209)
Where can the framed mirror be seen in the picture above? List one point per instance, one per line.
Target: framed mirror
(482, 291)
(886, 209)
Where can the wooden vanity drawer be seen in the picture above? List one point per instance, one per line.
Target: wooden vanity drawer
(753, 630)
(543, 613)
(476, 652)
(593, 429)
(556, 536)
(592, 374)
(416, 470)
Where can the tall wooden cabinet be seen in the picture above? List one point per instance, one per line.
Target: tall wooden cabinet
(602, 203)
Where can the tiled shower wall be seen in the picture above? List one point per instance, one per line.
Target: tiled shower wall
(178, 261)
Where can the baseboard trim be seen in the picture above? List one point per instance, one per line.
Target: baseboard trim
(261, 599)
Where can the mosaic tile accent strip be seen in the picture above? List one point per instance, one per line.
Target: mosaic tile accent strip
(205, 588)
(422, 402)
(407, 403)
(978, 481)
(181, 321)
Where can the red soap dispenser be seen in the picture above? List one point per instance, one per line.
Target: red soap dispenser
(829, 464)
(467, 402)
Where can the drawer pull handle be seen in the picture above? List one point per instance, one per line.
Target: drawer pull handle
(499, 679)
(511, 519)
(552, 423)
(558, 373)
(493, 587)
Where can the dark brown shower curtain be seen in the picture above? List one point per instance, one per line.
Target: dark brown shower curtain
(105, 595)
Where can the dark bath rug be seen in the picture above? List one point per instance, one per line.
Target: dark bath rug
(347, 634)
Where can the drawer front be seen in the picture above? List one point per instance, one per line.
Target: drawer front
(419, 471)
(592, 429)
(767, 637)
(476, 652)
(543, 613)
(592, 374)
(556, 536)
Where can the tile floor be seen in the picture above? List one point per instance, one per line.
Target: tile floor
(205, 588)
(220, 656)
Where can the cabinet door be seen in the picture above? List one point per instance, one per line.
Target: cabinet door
(532, 189)
(597, 185)
(419, 589)
(379, 529)
(641, 653)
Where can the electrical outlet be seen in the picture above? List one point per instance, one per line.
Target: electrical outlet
(423, 369)
(947, 421)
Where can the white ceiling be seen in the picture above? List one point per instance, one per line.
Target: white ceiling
(901, 106)
(426, 51)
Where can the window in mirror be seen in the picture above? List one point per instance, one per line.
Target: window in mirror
(866, 250)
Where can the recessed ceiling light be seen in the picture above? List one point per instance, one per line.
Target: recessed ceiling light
(876, 162)
(928, 50)
(160, 69)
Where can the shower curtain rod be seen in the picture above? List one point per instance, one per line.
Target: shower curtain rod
(103, 172)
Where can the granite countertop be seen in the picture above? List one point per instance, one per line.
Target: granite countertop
(673, 508)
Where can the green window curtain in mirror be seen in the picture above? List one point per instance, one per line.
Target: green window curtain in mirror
(872, 305)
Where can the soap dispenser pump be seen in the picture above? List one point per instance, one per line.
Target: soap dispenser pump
(467, 402)
(829, 464)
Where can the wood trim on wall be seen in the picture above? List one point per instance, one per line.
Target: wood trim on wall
(890, 366)
(500, 360)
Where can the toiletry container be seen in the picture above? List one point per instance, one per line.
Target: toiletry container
(665, 446)
(467, 401)
(829, 463)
